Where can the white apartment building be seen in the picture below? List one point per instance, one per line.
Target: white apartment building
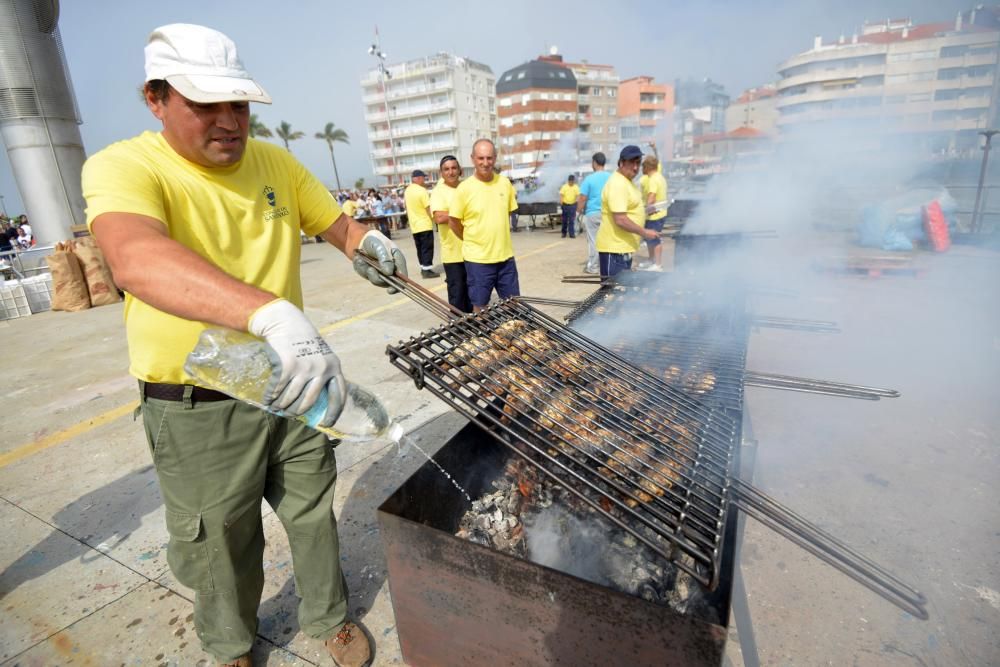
(935, 84)
(430, 107)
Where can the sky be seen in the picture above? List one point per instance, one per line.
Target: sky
(310, 55)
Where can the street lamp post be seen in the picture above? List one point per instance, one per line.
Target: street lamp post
(976, 213)
(383, 74)
(3, 206)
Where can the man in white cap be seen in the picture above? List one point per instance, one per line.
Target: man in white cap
(201, 227)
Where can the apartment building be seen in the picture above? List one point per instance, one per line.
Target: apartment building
(643, 108)
(932, 85)
(430, 107)
(597, 104)
(700, 109)
(756, 108)
(537, 104)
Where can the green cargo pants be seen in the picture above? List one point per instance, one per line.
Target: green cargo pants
(215, 461)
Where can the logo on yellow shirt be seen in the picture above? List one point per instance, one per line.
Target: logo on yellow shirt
(272, 201)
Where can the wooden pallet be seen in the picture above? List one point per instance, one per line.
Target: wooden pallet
(869, 266)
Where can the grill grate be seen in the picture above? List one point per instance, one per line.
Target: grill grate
(647, 456)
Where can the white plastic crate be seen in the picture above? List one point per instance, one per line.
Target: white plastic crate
(38, 291)
(13, 301)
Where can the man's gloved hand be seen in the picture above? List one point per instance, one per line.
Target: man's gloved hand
(390, 259)
(302, 363)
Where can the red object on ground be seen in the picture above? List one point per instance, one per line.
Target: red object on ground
(936, 227)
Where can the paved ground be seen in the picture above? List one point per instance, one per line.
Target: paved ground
(911, 482)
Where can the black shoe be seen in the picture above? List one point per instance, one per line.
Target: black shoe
(424, 273)
(564, 236)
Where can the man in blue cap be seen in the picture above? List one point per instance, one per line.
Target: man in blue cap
(622, 216)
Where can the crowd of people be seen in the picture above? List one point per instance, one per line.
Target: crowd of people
(474, 217)
(15, 233)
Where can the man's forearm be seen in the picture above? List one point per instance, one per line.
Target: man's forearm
(345, 234)
(581, 204)
(625, 223)
(173, 278)
(456, 226)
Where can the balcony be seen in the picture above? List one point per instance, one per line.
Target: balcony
(422, 129)
(837, 73)
(416, 149)
(419, 110)
(414, 91)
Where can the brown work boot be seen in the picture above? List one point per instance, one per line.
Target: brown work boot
(349, 647)
(242, 661)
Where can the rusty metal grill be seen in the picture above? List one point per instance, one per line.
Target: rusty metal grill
(646, 455)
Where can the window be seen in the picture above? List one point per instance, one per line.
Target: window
(951, 94)
(612, 129)
(982, 49)
(597, 129)
(562, 75)
(520, 75)
(598, 111)
(613, 111)
(612, 92)
(947, 114)
(508, 77)
(596, 92)
(953, 51)
(918, 97)
(546, 136)
(980, 71)
(525, 99)
(949, 73)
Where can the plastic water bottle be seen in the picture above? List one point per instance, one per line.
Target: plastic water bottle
(238, 364)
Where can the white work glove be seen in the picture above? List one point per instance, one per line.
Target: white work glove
(302, 364)
(390, 258)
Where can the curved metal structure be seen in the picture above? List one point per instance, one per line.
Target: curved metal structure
(39, 119)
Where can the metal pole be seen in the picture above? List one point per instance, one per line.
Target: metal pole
(376, 50)
(974, 227)
(3, 206)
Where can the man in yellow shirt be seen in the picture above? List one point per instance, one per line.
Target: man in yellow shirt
(200, 225)
(568, 194)
(480, 216)
(350, 206)
(418, 212)
(622, 216)
(451, 245)
(654, 196)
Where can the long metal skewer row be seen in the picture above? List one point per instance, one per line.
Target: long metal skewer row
(688, 512)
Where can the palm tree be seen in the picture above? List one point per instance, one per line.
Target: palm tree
(286, 134)
(257, 128)
(330, 135)
(359, 184)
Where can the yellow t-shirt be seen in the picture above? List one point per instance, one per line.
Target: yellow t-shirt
(245, 219)
(451, 245)
(350, 207)
(417, 200)
(484, 209)
(656, 184)
(620, 196)
(569, 193)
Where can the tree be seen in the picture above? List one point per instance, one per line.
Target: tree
(257, 128)
(330, 135)
(359, 184)
(286, 134)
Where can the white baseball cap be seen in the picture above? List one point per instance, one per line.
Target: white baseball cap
(201, 64)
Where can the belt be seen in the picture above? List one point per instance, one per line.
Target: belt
(175, 392)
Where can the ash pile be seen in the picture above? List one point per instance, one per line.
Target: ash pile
(529, 517)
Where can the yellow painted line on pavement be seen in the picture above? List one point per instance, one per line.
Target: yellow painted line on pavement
(59, 437)
(65, 434)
